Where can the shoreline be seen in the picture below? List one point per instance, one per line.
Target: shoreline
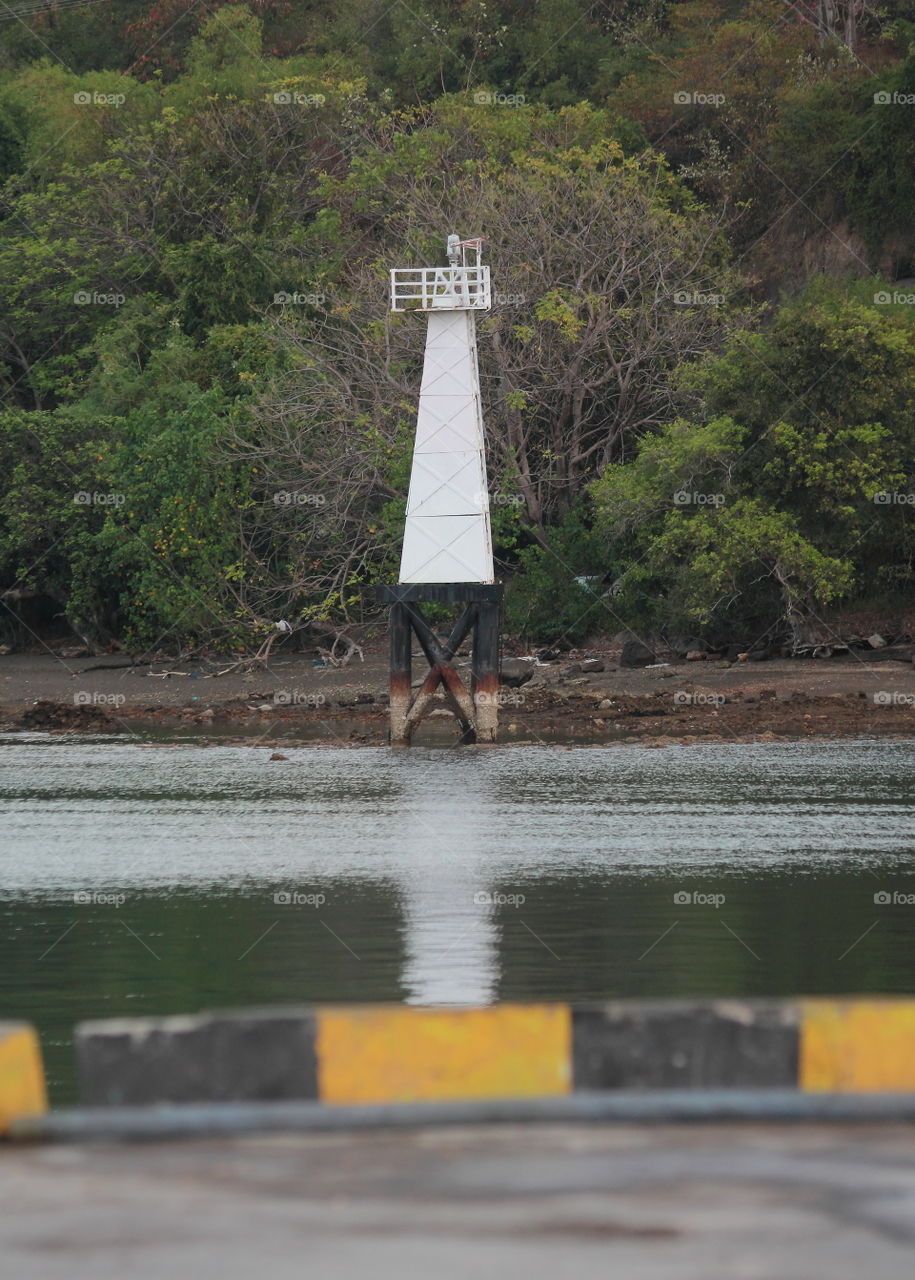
(579, 699)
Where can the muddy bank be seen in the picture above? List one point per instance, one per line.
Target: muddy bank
(581, 697)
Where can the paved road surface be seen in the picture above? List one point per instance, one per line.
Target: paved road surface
(644, 1203)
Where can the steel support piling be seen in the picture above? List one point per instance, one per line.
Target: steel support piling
(477, 708)
(400, 678)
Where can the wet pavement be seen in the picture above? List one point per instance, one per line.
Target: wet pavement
(714, 1202)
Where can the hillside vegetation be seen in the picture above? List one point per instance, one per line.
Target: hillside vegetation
(699, 371)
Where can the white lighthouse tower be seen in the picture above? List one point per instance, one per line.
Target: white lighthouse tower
(447, 536)
(447, 547)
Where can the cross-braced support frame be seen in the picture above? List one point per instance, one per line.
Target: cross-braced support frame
(476, 708)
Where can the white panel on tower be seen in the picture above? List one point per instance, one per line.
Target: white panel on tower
(446, 424)
(447, 534)
(448, 368)
(446, 549)
(446, 484)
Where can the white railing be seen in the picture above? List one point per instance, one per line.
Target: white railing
(440, 288)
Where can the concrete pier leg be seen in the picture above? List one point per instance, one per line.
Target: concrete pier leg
(485, 666)
(401, 675)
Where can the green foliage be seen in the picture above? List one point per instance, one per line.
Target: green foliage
(11, 142)
(557, 593)
(776, 507)
(172, 541)
(172, 177)
(127, 524)
(51, 514)
(859, 134)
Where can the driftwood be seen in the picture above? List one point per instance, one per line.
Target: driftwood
(113, 666)
(329, 655)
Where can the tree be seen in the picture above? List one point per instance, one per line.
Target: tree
(607, 276)
(835, 21)
(781, 503)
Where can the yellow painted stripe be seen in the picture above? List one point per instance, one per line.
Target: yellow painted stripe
(22, 1091)
(390, 1054)
(857, 1046)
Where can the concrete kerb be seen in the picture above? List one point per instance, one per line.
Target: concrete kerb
(339, 1066)
(354, 1055)
(22, 1086)
(684, 1106)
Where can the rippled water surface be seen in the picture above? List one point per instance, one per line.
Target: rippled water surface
(155, 879)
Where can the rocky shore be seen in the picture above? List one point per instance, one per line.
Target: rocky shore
(586, 696)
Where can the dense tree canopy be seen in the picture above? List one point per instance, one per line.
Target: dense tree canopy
(699, 218)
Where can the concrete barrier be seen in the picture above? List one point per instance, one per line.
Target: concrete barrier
(363, 1055)
(215, 1057)
(681, 1044)
(22, 1089)
(856, 1046)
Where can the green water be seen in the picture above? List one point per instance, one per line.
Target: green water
(140, 881)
